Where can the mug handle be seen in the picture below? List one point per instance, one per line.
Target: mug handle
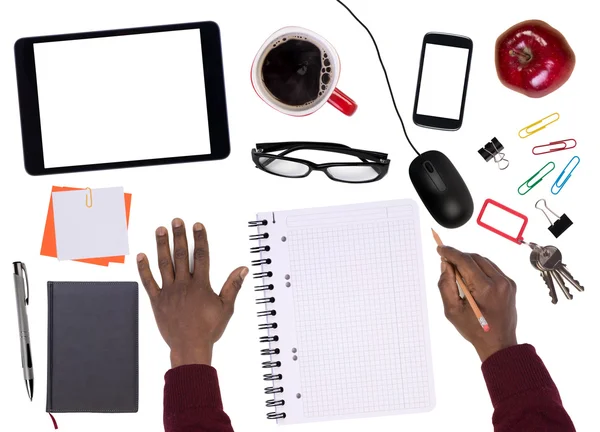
(342, 102)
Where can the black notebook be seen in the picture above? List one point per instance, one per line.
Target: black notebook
(92, 347)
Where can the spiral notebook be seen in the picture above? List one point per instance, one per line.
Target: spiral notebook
(341, 291)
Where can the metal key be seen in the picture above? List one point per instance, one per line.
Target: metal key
(561, 283)
(545, 274)
(568, 276)
(555, 261)
(550, 260)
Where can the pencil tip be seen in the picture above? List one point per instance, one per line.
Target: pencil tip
(436, 237)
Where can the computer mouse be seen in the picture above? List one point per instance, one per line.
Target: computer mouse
(441, 188)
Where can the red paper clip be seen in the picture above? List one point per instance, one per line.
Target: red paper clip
(556, 146)
(519, 238)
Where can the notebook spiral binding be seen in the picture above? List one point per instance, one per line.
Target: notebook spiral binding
(267, 301)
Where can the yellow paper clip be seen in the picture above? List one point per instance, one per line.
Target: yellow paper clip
(536, 178)
(526, 132)
(88, 198)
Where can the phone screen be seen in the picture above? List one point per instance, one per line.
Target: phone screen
(442, 81)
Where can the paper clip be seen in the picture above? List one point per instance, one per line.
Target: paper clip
(88, 198)
(529, 133)
(562, 184)
(533, 177)
(518, 239)
(562, 145)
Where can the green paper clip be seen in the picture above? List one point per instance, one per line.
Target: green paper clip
(537, 176)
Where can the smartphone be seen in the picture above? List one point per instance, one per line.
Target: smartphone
(442, 82)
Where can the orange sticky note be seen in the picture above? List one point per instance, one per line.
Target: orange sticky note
(49, 239)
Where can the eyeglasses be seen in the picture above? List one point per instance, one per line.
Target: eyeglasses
(370, 166)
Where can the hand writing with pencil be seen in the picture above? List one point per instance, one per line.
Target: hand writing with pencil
(492, 290)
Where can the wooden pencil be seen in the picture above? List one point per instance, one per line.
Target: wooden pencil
(482, 321)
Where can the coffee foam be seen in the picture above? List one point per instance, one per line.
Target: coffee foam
(326, 65)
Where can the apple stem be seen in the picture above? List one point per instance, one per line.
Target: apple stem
(523, 56)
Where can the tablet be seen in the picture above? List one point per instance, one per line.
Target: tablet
(122, 98)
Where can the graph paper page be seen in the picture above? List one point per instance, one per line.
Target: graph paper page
(352, 308)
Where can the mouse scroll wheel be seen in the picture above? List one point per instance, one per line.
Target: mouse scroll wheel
(429, 166)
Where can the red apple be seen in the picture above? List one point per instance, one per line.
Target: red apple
(533, 58)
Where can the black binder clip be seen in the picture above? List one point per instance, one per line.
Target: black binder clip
(560, 225)
(493, 150)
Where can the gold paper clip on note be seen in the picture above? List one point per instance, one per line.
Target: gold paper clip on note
(538, 125)
(532, 181)
(88, 198)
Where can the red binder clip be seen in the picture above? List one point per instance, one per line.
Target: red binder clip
(518, 239)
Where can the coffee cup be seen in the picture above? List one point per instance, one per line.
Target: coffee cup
(296, 72)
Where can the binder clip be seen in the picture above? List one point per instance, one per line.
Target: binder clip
(560, 225)
(493, 150)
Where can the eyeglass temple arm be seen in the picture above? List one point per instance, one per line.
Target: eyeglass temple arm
(297, 145)
(292, 144)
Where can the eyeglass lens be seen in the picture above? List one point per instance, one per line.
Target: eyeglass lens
(288, 168)
(355, 174)
(283, 167)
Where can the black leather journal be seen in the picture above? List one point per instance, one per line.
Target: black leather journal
(92, 347)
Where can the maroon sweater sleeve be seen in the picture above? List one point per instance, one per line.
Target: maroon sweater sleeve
(192, 401)
(523, 394)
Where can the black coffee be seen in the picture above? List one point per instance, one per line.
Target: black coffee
(296, 71)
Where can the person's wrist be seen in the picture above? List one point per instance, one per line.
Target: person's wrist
(487, 351)
(191, 355)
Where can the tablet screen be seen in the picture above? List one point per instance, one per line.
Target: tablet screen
(122, 98)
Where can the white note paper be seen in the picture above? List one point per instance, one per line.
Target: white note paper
(90, 232)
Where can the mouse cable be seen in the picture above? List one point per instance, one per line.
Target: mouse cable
(385, 73)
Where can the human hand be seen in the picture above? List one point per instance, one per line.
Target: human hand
(190, 316)
(494, 292)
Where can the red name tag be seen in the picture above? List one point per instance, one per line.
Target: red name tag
(522, 222)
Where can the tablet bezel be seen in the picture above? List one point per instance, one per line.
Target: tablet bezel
(214, 82)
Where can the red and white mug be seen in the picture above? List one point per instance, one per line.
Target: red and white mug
(332, 94)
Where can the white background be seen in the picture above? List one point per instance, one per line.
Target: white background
(225, 194)
(122, 98)
(442, 81)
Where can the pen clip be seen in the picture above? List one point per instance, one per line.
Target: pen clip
(26, 284)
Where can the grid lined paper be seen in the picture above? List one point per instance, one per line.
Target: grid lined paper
(359, 320)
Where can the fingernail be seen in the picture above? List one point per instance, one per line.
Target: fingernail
(443, 266)
(244, 273)
(177, 222)
(198, 226)
(140, 257)
(161, 231)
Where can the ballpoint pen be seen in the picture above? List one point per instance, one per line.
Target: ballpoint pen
(22, 291)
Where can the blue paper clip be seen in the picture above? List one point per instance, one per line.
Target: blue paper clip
(537, 177)
(561, 185)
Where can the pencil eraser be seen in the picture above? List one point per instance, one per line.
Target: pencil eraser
(486, 328)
